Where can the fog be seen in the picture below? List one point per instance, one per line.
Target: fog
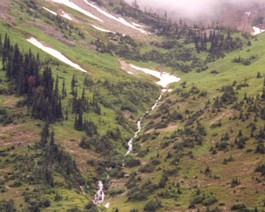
(191, 8)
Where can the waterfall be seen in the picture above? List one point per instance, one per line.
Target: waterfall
(100, 195)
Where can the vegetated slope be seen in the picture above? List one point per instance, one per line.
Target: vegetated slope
(203, 147)
(63, 130)
(90, 115)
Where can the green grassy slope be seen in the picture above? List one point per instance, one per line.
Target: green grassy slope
(205, 170)
(21, 132)
(193, 152)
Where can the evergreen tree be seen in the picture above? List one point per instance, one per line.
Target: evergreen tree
(56, 87)
(44, 135)
(79, 121)
(6, 52)
(73, 84)
(64, 93)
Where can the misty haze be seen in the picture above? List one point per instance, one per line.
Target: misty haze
(242, 14)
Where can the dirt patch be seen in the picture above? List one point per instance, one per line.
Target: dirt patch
(10, 102)
(171, 127)
(81, 156)
(53, 32)
(4, 9)
(128, 115)
(126, 67)
(16, 135)
(224, 115)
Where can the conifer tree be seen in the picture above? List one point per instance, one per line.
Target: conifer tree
(73, 84)
(44, 135)
(56, 87)
(64, 94)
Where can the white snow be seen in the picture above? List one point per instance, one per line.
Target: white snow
(165, 78)
(101, 29)
(138, 25)
(248, 14)
(257, 31)
(107, 205)
(99, 196)
(72, 5)
(54, 53)
(50, 11)
(65, 15)
(120, 19)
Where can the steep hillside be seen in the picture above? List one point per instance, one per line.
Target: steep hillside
(106, 108)
(203, 147)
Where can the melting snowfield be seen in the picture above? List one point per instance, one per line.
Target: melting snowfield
(138, 25)
(50, 11)
(257, 31)
(55, 54)
(165, 78)
(101, 29)
(72, 5)
(65, 15)
(120, 19)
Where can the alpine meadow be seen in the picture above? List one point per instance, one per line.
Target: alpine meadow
(131, 106)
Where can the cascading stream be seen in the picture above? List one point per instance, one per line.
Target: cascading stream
(164, 80)
(139, 126)
(100, 195)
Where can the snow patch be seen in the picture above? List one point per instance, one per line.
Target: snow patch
(257, 31)
(65, 15)
(50, 11)
(72, 5)
(54, 53)
(107, 205)
(165, 78)
(120, 19)
(248, 14)
(123, 21)
(138, 25)
(101, 29)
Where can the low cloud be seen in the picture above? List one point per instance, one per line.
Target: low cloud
(192, 8)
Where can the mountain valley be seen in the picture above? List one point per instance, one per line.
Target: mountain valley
(105, 107)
